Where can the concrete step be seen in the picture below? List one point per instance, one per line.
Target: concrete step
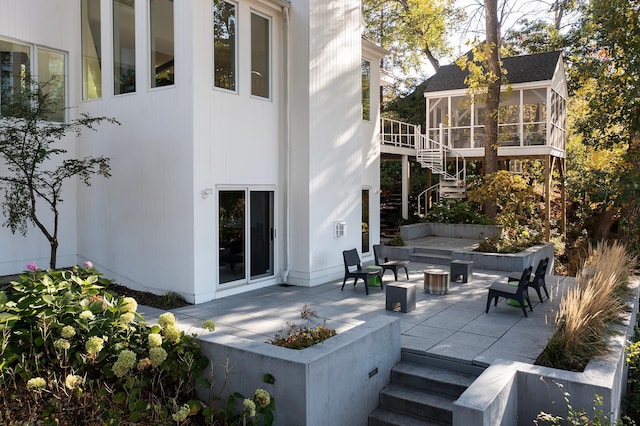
(384, 417)
(430, 258)
(431, 379)
(445, 364)
(422, 391)
(414, 402)
(431, 255)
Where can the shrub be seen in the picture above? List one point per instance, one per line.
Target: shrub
(518, 212)
(396, 241)
(457, 212)
(301, 336)
(511, 240)
(597, 299)
(72, 353)
(632, 399)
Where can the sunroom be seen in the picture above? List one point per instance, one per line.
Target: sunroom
(532, 115)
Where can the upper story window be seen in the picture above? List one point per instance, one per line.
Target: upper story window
(224, 44)
(17, 62)
(260, 55)
(91, 49)
(366, 89)
(124, 47)
(161, 38)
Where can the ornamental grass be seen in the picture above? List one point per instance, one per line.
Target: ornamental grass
(598, 298)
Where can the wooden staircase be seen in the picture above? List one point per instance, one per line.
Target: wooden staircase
(422, 392)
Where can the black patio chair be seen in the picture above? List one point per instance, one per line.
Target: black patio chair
(392, 265)
(538, 280)
(518, 293)
(353, 269)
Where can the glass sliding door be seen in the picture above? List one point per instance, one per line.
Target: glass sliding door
(261, 220)
(232, 232)
(246, 235)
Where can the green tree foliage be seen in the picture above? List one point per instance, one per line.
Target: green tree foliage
(36, 165)
(413, 30)
(607, 74)
(517, 210)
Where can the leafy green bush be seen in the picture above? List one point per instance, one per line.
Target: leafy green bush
(396, 241)
(72, 353)
(512, 240)
(457, 212)
(301, 336)
(632, 399)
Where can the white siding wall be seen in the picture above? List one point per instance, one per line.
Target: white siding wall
(137, 226)
(237, 136)
(149, 226)
(331, 165)
(20, 22)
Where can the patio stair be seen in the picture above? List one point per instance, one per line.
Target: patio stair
(421, 394)
(431, 255)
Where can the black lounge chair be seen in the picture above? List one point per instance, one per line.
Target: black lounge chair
(538, 280)
(392, 265)
(518, 293)
(352, 260)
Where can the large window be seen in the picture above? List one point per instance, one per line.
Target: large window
(124, 47)
(161, 38)
(260, 55)
(224, 44)
(51, 81)
(16, 64)
(366, 90)
(15, 71)
(91, 50)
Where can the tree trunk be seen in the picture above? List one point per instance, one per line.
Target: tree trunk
(493, 98)
(54, 253)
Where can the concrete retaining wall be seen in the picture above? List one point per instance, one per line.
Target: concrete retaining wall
(511, 393)
(450, 230)
(512, 262)
(336, 382)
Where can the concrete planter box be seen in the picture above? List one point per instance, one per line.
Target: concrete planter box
(511, 393)
(449, 230)
(511, 262)
(336, 382)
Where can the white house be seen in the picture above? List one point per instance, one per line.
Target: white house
(248, 151)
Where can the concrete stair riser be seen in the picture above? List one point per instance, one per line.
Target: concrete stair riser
(383, 417)
(431, 379)
(435, 407)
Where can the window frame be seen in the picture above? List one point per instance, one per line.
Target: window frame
(83, 62)
(236, 82)
(150, 44)
(34, 76)
(269, 80)
(368, 111)
(114, 47)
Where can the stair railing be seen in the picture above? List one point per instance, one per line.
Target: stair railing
(424, 194)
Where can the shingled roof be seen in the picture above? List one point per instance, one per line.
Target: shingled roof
(520, 69)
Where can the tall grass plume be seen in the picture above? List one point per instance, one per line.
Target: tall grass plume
(597, 299)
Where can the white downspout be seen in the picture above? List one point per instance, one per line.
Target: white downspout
(287, 146)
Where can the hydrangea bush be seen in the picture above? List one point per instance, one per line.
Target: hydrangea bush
(72, 353)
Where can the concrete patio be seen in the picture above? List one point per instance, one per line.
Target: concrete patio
(451, 327)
